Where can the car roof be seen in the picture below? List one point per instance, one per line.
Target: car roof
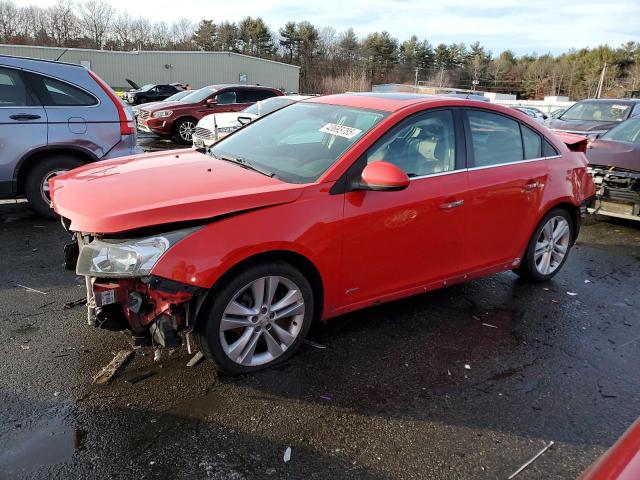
(617, 100)
(220, 86)
(391, 102)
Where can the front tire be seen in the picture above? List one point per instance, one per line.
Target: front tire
(257, 319)
(36, 187)
(183, 131)
(549, 246)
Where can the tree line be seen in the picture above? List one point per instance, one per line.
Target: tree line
(331, 61)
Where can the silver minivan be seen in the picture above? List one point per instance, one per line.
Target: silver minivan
(54, 117)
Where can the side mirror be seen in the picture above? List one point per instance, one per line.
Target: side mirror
(244, 120)
(382, 176)
(211, 102)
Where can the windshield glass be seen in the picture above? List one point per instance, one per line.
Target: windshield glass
(178, 96)
(146, 87)
(198, 96)
(628, 131)
(269, 105)
(298, 143)
(598, 111)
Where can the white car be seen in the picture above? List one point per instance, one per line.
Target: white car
(213, 127)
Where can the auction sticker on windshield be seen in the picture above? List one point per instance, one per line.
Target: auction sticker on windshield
(340, 130)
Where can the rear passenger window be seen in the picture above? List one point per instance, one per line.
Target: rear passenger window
(496, 138)
(251, 96)
(60, 94)
(549, 150)
(532, 143)
(13, 92)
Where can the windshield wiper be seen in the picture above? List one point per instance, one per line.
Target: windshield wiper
(244, 163)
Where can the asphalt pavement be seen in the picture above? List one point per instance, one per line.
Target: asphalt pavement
(468, 382)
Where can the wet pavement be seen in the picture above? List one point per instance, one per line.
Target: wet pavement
(389, 396)
(152, 143)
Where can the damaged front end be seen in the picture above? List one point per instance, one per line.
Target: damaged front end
(617, 191)
(122, 294)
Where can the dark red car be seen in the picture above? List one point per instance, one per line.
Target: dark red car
(177, 120)
(614, 162)
(327, 206)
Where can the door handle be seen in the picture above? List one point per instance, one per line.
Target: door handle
(24, 116)
(452, 205)
(532, 186)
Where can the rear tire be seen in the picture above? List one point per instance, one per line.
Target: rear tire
(243, 331)
(141, 100)
(548, 247)
(36, 187)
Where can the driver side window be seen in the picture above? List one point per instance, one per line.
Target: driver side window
(421, 145)
(226, 98)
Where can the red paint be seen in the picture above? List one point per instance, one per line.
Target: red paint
(576, 143)
(383, 175)
(367, 246)
(621, 461)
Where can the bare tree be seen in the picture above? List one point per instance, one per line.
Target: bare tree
(121, 29)
(8, 21)
(96, 16)
(64, 23)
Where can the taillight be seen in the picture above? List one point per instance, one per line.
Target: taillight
(126, 118)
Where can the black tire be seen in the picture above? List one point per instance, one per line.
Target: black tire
(177, 128)
(42, 169)
(207, 331)
(528, 269)
(141, 100)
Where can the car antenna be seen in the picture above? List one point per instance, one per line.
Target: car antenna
(63, 52)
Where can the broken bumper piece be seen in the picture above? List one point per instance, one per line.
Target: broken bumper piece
(155, 310)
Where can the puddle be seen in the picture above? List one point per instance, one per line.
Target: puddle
(50, 441)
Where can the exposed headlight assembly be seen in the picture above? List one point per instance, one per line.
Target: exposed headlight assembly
(126, 257)
(162, 114)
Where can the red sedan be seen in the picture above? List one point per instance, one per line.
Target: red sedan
(327, 206)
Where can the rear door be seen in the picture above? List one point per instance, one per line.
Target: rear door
(401, 240)
(76, 117)
(23, 124)
(507, 176)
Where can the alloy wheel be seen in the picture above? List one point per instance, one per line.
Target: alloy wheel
(552, 245)
(44, 187)
(262, 321)
(186, 131)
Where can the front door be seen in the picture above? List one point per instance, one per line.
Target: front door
(395, 241)
(23, 125)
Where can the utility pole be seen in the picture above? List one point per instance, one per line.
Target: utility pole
(415, 83)
(601, 82)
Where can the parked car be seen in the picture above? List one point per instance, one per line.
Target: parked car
(218, 125)
(173, 98)
(329, 205)
(614, 163)
(538, 115)
(177, 120)
(55, 116)
(595, 117)
(149, 93)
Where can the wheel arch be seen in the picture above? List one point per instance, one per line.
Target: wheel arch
(574, 212)
(297, 260)
(26, 162)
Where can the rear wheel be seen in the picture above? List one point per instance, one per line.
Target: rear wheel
(183, 130)
(36, 187)
(142, 100)
(549, 246)
(257, 319)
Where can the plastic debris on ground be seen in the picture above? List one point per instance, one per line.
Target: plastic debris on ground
(157, 355)
(75, 303)
(513, 475)
(313, 344)
(287, 455)
(108, 372)
(489, 325)
(572, 294)
(29, 289)
(195, 359)
(467, 366)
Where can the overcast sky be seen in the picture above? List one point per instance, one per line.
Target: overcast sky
(523, 26)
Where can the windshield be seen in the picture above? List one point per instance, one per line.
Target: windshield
(178, 96)
(628, 131)
(269, 105)
(298, 143)
(147, 87)
(598, 111)
(198, 96)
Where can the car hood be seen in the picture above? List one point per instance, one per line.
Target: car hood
(224, 119)
(580, 125)
(614, 154)
(127, 193)
(168, 106)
